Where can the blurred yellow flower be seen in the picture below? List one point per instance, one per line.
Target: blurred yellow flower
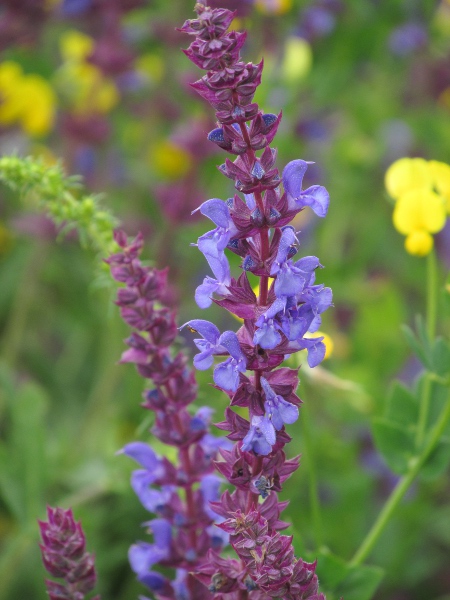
(84, 86)
(297, 59)
(170, 160)
(26, 100)
(273, 7)
(408, 174)
(422, 192)
(75, 46)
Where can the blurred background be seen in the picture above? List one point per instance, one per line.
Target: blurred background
(103, 86)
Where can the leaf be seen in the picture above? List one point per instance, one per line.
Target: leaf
(28, 444)
(437, 462)
(331, 569)
(402, 406)
(361, 583)
(441, 357)
(416, 346)
(395, 443)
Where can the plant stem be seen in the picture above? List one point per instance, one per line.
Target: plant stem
(401, 488)
(431, 315)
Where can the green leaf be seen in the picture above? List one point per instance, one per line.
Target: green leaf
(396, 444)
(416, 346)
(360, 584)
(402, 406)
(437, 462)
(331, 569)
(28, 441)
(441, 357)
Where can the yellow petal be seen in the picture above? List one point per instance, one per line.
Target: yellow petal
(441, 177)
(11, 98)
(38, 111)
(419, 243)
(75, 46)
(408, 174)
(419, 210)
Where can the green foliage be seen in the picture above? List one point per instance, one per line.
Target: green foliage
(48, 189)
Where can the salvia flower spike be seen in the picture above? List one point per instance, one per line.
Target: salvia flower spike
(178, 494)
(279, 320)
(65, 557)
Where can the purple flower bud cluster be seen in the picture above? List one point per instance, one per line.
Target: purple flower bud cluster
(180, 495)
(270, 558)
(279, 320)
(64, 556)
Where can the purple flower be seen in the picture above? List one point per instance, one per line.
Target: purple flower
(218, 238)
(210, 486)
(226, 374)
(143, 556)
(208, 346)
(315, 196)
(316, 350)
(260, 437)
(278, 410)
(267, 335)
(221, 269)
(407, 38)
(294, 323)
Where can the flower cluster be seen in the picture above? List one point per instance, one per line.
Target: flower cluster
(64, 556)
(179, 495)
(421, 190)
(276, 322)
(270, 558)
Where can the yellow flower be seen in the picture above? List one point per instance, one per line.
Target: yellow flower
(417, 214)
(75, 46)
(408, 174)
(38, 113)
(297, 59)
(422, 192)
(86, 89)
(170, 160)
(10, 101)
(273, 7)
(26, 100)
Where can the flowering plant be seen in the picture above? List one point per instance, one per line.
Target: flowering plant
(275, 324)
(197, 530)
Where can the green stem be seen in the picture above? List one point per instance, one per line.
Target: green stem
(431, 294)
(313, 487)
(401, 488)
(431, 316)
(424, 408)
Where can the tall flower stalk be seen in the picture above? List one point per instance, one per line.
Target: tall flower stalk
(178, 494)
(288, 306)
